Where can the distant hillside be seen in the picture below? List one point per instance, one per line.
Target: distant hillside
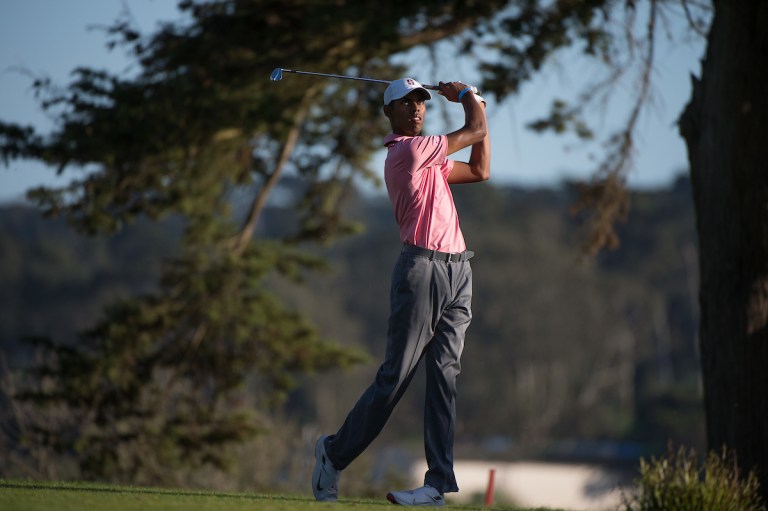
(560, 346)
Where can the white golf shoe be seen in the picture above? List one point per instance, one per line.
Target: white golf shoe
(325, 478)
(424, 496)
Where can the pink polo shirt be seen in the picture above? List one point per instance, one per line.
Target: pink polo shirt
(416, 172)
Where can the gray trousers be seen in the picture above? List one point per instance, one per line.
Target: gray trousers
(430, 310)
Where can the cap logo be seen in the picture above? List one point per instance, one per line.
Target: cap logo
(410, 82)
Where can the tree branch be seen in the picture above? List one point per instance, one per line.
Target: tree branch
(257, 206)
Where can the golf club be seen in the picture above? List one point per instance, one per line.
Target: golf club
(277, 75)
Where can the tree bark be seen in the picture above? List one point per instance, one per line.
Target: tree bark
(260, 201)
(725, 126)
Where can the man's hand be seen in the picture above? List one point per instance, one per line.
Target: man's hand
(450, 90)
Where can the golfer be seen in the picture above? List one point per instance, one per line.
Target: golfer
(431, 293)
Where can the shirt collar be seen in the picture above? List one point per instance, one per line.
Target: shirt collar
(392, 138)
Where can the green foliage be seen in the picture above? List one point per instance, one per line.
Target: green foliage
(678, 482)
(167, 380)
(538, 30)
(562, 119)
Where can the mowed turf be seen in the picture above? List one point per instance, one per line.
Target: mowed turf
(53, 496)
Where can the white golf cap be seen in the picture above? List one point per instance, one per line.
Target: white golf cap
(398, 89)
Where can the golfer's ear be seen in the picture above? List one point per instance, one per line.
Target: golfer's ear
(387, 111)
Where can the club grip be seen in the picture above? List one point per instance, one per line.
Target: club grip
(435, 87)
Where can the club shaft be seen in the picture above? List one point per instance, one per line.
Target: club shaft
(430, 87)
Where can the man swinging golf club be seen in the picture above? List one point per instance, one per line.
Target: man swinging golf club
(431, 293)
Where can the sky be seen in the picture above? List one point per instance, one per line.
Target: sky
(52, 37)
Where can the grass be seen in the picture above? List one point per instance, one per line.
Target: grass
(46, 496)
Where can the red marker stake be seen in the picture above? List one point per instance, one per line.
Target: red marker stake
(489, 490)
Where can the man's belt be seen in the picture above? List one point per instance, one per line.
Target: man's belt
(448, 257)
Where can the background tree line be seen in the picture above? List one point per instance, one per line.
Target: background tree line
(563, 350)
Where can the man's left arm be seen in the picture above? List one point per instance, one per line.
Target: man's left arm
(478, 168)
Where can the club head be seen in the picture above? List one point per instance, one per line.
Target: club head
(277, 74)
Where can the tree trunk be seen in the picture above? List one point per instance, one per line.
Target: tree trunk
(725, 126)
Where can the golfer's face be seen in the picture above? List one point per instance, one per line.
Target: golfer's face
(408, 113)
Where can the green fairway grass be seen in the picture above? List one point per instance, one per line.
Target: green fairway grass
(54, 496)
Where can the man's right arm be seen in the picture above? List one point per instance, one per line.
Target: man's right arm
(475, 126)
(477, 169)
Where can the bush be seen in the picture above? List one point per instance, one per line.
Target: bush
(679, 483)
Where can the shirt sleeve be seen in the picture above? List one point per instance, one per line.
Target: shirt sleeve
(427, 152)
